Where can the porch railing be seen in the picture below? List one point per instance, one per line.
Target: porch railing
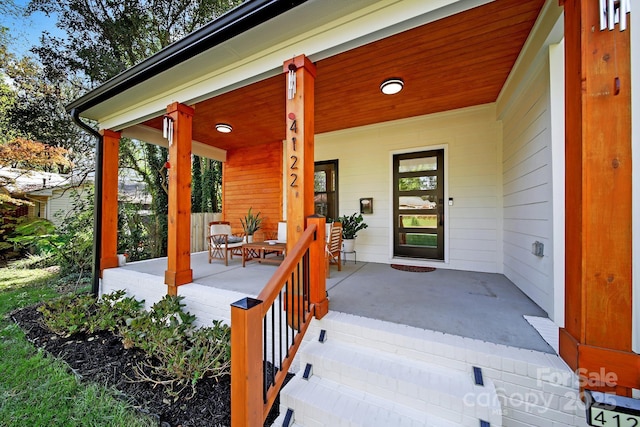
(267, 331)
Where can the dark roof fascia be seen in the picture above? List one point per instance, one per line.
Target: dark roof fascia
(243, 18)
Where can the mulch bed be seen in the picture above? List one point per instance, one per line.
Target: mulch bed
(412, 268)
(101, 358)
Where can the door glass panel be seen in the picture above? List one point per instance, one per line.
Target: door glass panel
(419, 221)
(418, 183)
(320, 181)
(418, 164)
(417, 202)
(419, 240)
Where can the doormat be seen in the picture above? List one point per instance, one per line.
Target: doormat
(413, 268)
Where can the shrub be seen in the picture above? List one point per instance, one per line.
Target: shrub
(69, 314)
(76, 313)
(184, 354)
(178, 353)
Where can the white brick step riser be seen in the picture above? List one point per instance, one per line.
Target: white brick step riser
(436, 348)
(322, 402)
(421, 386)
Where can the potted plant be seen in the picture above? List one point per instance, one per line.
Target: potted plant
(250, 224)
(351, 224)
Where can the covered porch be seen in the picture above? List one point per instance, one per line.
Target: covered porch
(481, 306)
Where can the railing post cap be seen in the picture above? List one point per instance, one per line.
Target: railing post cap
(246, 303)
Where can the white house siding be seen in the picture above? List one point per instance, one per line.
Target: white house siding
(527, 188)
(60, 203)
(471, 138)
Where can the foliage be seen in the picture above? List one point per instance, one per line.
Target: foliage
(68, 314)
(7, 101)
(251, 223)
(37, 112)
(179, 353)
(185, 354)
(45, 260)
(351, 224)
(211, 186)
(74, 247)
(196, 187)
(133, 232)
(105, 37)
(27, 154)
(37, 236)
(73, 313)
(70, 245)
(38, 389)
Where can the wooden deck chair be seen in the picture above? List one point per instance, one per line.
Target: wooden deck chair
(222, 242)
(334, 246)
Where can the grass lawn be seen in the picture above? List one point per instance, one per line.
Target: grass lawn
(37, 390)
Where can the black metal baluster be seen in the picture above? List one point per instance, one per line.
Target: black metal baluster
(264, 360)
(280, 324)
(273, 344)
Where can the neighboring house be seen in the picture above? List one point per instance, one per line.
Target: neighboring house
(49, 195)
(513, 126)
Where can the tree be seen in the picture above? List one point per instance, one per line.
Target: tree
(32, 107)
(104, 37)
(32, 155)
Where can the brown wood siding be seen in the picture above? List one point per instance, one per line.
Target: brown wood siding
(252, 178)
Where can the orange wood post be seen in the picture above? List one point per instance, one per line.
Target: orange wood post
(318, 274)
(598, 301)
(300, 146)
(109, 245)
(179, 232)
(247, 406)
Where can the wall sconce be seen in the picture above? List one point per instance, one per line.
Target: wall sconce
(392, 86)
(223, 128)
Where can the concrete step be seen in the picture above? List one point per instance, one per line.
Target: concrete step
(446, 393)
(321, 402)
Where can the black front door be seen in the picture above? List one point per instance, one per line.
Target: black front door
(418, 195)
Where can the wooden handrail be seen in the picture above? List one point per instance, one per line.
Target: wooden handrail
(303, 291)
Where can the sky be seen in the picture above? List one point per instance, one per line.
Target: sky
(26, 31)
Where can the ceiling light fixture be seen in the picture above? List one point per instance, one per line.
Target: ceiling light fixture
(223, 128)
(392, 86)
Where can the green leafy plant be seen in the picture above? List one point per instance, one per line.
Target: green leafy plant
(36, 235)
(76, 313)
(251, 223)
(351, 224)
(114, 310)
(182, 354)
(178, 353)
(69, 314)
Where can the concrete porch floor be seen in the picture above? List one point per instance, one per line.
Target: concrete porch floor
(482, 306)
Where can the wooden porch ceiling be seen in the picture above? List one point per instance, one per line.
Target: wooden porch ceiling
(459, 61)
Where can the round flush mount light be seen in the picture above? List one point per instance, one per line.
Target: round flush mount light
(392, 86)
(223, 128)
